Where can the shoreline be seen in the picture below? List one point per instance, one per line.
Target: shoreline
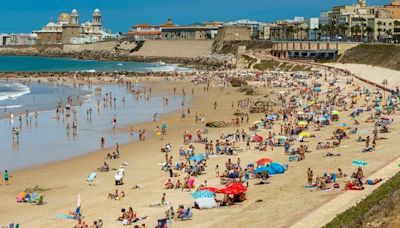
(121, 128)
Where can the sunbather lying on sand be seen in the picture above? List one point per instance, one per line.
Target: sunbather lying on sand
(373, 182)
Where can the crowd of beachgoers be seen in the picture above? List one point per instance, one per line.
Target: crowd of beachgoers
(305, 104)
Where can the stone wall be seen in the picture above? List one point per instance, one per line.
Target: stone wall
(175, 48)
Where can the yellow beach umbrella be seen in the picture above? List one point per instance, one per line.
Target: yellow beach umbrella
(302, 123)
(304, 134)
(334, 112)
(300, 113)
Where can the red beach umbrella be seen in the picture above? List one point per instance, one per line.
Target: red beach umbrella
(263, 161)
(211, 189)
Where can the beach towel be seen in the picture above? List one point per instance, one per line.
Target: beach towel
(91, 178)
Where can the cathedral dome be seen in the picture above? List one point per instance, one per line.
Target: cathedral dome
(64, 17)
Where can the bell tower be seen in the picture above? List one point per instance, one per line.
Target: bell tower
(362, 3)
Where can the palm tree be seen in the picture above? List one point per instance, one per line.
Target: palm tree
(296, 32)
(316, 31)
(307, 30)
(289, 31)
(369, 31)
(389, 34)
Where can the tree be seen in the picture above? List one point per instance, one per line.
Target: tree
(389, 35)
(289, 31)
(369, 31)
(316, 31)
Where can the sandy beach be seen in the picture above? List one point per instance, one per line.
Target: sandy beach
(282, 202)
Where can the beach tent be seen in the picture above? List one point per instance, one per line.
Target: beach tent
(261, 169)
(276, 168)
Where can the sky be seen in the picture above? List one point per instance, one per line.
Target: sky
(120, 15)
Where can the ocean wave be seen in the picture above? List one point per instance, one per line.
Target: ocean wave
(13, 90)
(11, 106)
(168, 68)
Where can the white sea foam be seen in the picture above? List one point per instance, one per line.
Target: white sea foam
(120, 64)
(168, 68)
(13, 90)
(11, 106)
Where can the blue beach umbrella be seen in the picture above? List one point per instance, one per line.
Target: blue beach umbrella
(317, 89)
(342, 125)
(359, 163)
(197, 158)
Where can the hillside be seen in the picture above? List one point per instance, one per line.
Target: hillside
(383, 55)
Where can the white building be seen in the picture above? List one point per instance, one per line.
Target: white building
(324, 17)
(313, 25)
(17, 39)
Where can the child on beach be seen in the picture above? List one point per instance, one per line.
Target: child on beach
(6, 177)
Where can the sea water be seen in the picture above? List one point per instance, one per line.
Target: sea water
(45, 139)
(51, 64)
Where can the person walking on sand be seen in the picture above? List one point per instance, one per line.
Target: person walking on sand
(215, 105)
(102, 142)
(6, 177)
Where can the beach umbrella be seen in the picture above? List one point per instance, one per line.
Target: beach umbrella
(302, 123)
(300, 113)
(197, 158)
(271, 116)
(342, 125)
(311, 102)
(210, 189)
(378, 108)
(237, 186)
(334, 112)
(327, 116)
(264, 161)
(359, 163)
(322, 119)
(282, 92)
(257, 122)
(203, 194)
(304, 134)
(317, 89)
(280, 137)
(261, 169)
(385, 118)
